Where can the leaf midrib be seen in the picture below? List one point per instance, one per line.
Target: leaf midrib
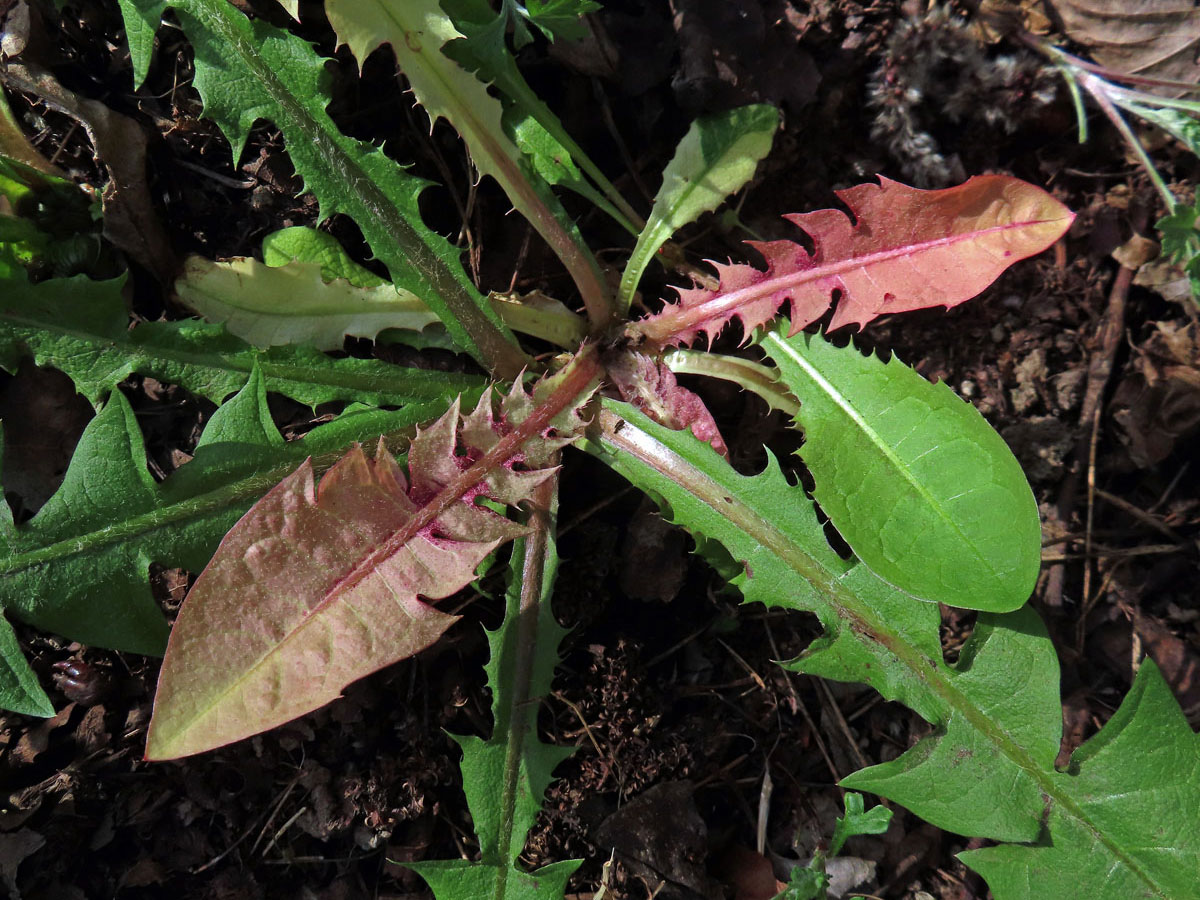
(140, 526)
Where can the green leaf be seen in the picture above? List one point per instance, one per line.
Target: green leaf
(1007, 671)
(248, 70)
(48, 569)
(553, 163)
(1136, 782)
(506, 776)
(416, 31)
(294, 303)
(919, 485)
(717, 156)
(1175, 122)
(514, 762)
(80, 566)
(557, 18)
(1181, 241)
(81, 327)
(805, 884)
(874, 633)
(1181, 237)
(303, 244)
(19, 688)
(484, 51)
(457, 879)
(1123, 821)
(311, 292)
(857, 821)
(988, 769)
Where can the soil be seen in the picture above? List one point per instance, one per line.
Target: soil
(689, 739)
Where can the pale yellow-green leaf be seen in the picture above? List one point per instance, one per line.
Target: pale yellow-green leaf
(293, 304)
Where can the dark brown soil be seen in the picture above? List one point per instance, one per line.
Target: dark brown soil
(687, 733)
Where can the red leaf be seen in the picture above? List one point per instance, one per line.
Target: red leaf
(908, 249)
(298, 601)
(651, 387)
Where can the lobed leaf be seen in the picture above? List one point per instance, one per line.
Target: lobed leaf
(905, 249)
(81, 327)
(988, 769)
(716, 157)
(459, 878)
(505, 777)
(311, 590)
(926, 493)
(1102, 829)
(553, 162)
(557, 18)
(269, 306)
(248, 70)
(484, 51)
(300, 243)
(771, 530)
(310, 292)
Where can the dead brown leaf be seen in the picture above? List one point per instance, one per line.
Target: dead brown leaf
(14, 848)
(37, 738)
(130, 219)
(1158, 404)
(661, 838)
(1152, 38)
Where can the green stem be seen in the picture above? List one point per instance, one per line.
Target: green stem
(1081, 121)
(1096, 87)
(1059, 55)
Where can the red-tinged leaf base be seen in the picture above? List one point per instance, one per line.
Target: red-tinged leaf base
(294, 606)
(652, 387)
(905, 249)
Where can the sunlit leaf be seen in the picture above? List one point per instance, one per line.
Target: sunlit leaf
(905, 249)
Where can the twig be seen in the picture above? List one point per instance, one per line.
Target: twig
(1108, 339)
(1142, 516)
(843, 726)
